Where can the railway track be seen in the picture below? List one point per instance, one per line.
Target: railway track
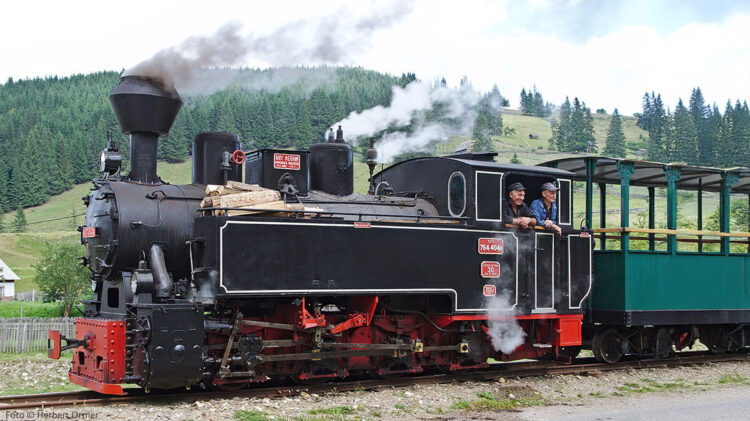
(495, 372)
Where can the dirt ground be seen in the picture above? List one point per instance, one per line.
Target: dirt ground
(512, 399)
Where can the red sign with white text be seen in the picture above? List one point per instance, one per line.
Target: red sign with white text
(88, 232)
(489, 290)
(490, 270)
(286, 161)
(490, 246)
(361, 225)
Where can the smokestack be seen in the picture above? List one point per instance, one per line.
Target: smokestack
(145, 109)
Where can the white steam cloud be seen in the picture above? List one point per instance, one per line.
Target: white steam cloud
(504, 330)
(330, 40)
(428, 114)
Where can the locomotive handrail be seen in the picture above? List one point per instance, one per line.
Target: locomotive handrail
(681, 240)
(331, 213)
(673, 232)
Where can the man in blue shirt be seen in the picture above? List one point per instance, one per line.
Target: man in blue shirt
(545, 209)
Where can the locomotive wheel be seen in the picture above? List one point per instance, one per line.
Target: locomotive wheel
(607, 346)
(663, 344)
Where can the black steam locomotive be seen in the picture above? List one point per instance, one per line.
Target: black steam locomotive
(420, 273)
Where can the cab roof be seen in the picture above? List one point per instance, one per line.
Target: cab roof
(497, 166)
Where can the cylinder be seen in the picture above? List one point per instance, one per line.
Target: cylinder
(208, 148)
(332, 168)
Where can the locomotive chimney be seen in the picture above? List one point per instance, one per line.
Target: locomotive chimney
(332, 165)
(145, 109)
(340, 135)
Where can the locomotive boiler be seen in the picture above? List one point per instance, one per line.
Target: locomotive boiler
(421, 273)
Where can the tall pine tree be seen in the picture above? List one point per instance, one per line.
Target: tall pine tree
(19, 220)
(615, 137)
(699, 113)
(657, 125)
(684, 136)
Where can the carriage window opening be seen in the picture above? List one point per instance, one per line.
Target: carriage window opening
(488, 198)
(456, 194)
(564, 204)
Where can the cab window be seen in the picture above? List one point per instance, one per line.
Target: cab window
(457, 194)
(488, 197)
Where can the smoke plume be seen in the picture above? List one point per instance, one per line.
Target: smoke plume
(504, 330)
(418, 116)
(330, 40)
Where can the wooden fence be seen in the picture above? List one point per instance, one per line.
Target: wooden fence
(29, 334)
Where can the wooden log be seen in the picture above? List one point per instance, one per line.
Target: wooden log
(216, 190)
(240, 200)
(224, 190)
(244, 186)
(265, 207)
(212, 189)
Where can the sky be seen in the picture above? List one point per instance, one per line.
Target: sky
(608, 53)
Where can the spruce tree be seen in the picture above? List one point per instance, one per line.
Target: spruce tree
(716, 129)
(644, 119)
(657, 124)
(482, 139)
(540, 110)
(740, 138)
(61, 173)
(589, 137)
(19, 220)
(685, 136)
(2, 224)
(302, 133)
(527, 102)
(578, 135)
(561, 131)
(4, 194)
(699, 113)
(615, 137)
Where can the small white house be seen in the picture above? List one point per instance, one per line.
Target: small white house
(8, 280)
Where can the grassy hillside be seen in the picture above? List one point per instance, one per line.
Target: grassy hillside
(21, 251)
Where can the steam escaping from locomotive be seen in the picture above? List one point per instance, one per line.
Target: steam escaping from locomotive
(504, 330)
(329, 40)
(422, 115)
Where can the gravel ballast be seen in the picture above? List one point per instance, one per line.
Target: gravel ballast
(469, 400)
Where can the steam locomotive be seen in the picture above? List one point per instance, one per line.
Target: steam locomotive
(420, 273)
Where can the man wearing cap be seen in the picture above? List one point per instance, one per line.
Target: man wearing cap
(545, 209)
(515, 209)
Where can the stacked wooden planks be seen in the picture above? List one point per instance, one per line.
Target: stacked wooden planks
(251, 198)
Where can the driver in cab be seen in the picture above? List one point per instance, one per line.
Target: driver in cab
(515, 210)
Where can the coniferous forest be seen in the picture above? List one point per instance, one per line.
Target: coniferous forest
(52, 129)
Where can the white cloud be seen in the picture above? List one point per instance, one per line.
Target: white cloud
(439, 38)
(610, 71)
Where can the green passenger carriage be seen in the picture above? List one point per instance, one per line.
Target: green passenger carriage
(655, 289)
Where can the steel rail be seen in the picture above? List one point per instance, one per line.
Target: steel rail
(581, 366)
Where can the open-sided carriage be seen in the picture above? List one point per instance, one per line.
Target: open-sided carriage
(656, 288)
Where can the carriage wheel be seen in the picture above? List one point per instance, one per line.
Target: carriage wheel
(607, 346)
(663, 344)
